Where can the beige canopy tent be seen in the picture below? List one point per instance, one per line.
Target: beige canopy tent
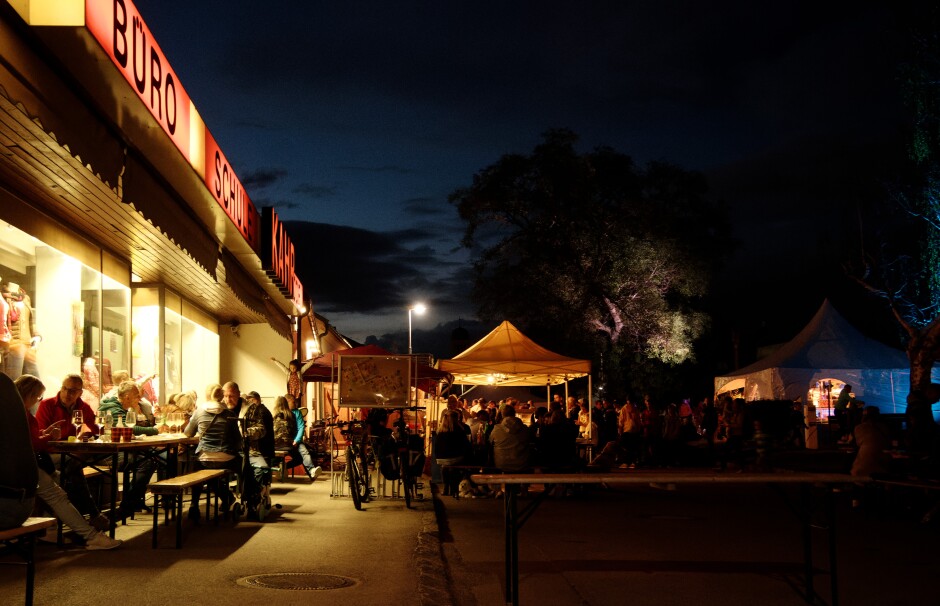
(508, 357)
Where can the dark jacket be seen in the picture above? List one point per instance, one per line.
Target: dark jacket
(451, 445)
(512, 445)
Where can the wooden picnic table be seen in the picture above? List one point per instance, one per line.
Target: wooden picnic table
(94, 452)
(515, 519)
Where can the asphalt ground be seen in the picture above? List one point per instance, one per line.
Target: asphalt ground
(697, 544)
(640, 545)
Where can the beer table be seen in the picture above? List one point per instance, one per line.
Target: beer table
(104, 457)
(515, 519)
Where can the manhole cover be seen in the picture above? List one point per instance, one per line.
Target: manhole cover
(298, 581)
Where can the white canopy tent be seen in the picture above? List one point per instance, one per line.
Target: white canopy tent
(827, 348)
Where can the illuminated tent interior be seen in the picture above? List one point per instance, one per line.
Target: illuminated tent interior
(829, 348)
(507, 357)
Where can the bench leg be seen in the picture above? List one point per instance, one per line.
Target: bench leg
(29, 553)
(179, 520)
(156, 514)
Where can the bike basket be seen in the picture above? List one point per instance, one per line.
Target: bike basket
(356, 430)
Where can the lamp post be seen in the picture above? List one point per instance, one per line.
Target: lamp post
(418, 308)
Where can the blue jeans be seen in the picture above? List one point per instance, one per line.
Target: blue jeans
(20, 360)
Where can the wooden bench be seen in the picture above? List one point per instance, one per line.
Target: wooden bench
(22, 540)
(281, 455)
(173, 490)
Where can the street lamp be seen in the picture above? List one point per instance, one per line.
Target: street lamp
(418, 308)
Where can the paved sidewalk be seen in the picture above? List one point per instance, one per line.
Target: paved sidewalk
(375, 549)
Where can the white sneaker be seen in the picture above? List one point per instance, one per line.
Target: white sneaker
(102, 541)
(314, 474)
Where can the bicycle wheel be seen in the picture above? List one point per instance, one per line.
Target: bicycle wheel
(352, 475)
(406, 479)
(363, 464)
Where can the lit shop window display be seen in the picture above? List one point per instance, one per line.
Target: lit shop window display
(59, 316)
(175, 345)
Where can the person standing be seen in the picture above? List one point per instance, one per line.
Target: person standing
(295, 375)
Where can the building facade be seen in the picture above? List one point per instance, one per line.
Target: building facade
(127, 241)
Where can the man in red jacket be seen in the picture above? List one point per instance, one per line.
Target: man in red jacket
(60, 408)
(63, 405)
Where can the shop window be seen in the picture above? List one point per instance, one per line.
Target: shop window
(60, 316)
(174, 343)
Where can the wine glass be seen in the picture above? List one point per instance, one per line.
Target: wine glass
(130, 419)
(100, 422)
(176, 421)
(77, 421)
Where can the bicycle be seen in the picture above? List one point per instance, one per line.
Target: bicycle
(357, 461)
(407, 456)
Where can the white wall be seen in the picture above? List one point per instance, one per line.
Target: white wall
(245, 359)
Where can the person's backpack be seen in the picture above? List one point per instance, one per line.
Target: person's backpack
(285, 428)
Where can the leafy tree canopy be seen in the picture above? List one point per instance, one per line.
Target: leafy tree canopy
(592, 250)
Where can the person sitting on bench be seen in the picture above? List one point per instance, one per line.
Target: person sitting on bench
(19, 474)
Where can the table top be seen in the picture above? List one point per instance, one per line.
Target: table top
(163, 440)
(677, 476)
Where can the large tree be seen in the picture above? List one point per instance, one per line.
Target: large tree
(592, 252)
(904, 268)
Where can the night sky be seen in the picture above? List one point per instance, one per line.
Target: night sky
(357, 119)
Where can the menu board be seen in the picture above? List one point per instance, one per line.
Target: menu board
(374, 381)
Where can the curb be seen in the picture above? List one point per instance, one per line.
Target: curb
(434, 587)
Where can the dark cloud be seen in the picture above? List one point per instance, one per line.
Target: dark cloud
(314, 191)
(263, 177)
(388, 168)
(278, 204)
(425, 206)
(353, 270)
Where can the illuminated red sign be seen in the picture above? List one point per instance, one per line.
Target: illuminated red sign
(277, 256)
(122, 33)
(229, 192)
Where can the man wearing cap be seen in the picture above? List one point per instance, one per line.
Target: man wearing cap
(258, 431)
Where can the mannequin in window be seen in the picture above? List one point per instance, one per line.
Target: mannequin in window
(21, 357)
(5, 335)
(90, 377)
(106, 381)
(97, 382)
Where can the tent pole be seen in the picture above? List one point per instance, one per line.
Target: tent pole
(590, 408)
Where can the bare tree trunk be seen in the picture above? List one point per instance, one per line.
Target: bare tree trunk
(922, 430)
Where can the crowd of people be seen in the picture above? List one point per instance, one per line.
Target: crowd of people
(628, 435)
(230, 426)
